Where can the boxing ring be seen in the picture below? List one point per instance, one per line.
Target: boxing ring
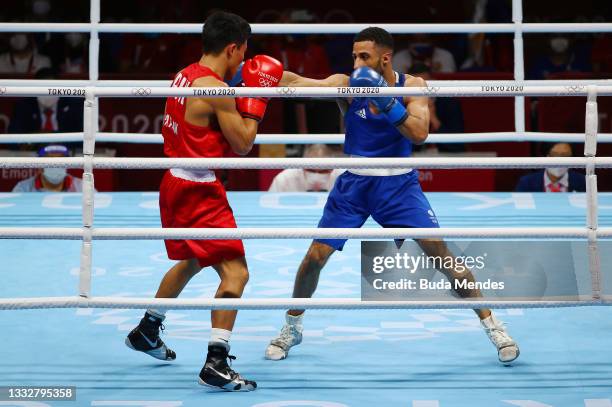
(428, 358)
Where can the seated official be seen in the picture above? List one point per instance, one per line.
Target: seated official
(47, 114)
(553, 179)
(51, 179)
(307, 180)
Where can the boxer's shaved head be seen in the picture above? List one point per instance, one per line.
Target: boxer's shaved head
(373, 47)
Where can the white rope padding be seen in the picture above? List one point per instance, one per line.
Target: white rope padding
(311, 28)
(315, 163)
(322, 92)
(167, 83)
(275, 303)
(295, 138)
(299, 233)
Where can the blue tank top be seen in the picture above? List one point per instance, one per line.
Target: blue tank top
(371, 135)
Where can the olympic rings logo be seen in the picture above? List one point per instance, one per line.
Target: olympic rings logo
(431, 90)
(285, 91)
(265, 83)
(572, 89)
(2, 91)
(141, 91)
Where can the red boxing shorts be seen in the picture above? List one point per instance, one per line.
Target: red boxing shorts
(189, 204)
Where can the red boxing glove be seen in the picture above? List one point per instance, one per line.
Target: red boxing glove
(260, 72)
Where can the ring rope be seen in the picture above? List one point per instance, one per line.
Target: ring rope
(66, 233)
(314, 163)
(322, 28)
(276, 303)
(296, 138)
(166, 83)
(322, 92)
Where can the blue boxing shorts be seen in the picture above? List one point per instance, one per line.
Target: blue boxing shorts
(394, 201)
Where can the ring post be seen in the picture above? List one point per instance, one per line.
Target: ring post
(590, 151)
(519, 65)
(90, 121)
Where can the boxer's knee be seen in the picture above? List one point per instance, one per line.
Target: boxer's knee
(189, 268)
(317, 255)
(234, 277)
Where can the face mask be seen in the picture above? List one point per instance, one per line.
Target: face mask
(557, 172)
(422, 50)
(18, 42)
(54, 175)
(41, 7)
(316, 181)
(559, 45)
(74, 39)
(47, 101)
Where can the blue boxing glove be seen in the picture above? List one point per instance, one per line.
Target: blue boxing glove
(237, 79)
(394, 111)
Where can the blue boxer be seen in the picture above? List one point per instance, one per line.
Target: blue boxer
(393, 197)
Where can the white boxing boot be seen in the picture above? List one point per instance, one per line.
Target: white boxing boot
(507, 349)
(290, 335)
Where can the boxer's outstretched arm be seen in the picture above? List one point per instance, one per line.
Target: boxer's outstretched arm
(416, 126)
(292, 79)
(295, 80)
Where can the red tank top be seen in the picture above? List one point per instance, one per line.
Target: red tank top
(185, 140)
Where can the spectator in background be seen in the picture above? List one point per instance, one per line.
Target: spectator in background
(41, 11)
(339, 46)
(445, 114)
(302, 53)
(306, 180)
(601, 52)
(74, 55)
(553, 179)
(489, 52)
(50, 44)
(560, 57)
(51, 179)
(422, 49)
(305, 55)
(22, 56)
(47, 114)
(151, 53)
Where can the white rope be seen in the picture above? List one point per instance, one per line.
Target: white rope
(315, 163)
(167, 83)
(322, 92)
(295, 138)
(298, 233)
(311, 28)
(276, 303)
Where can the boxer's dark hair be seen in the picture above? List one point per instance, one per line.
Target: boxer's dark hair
(377, 35)
(221, 29)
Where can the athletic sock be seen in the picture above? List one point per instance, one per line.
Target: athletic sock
(220, 337)
(157, 313)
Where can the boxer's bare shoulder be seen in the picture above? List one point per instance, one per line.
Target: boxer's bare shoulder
(200, 108)
(414, 82)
